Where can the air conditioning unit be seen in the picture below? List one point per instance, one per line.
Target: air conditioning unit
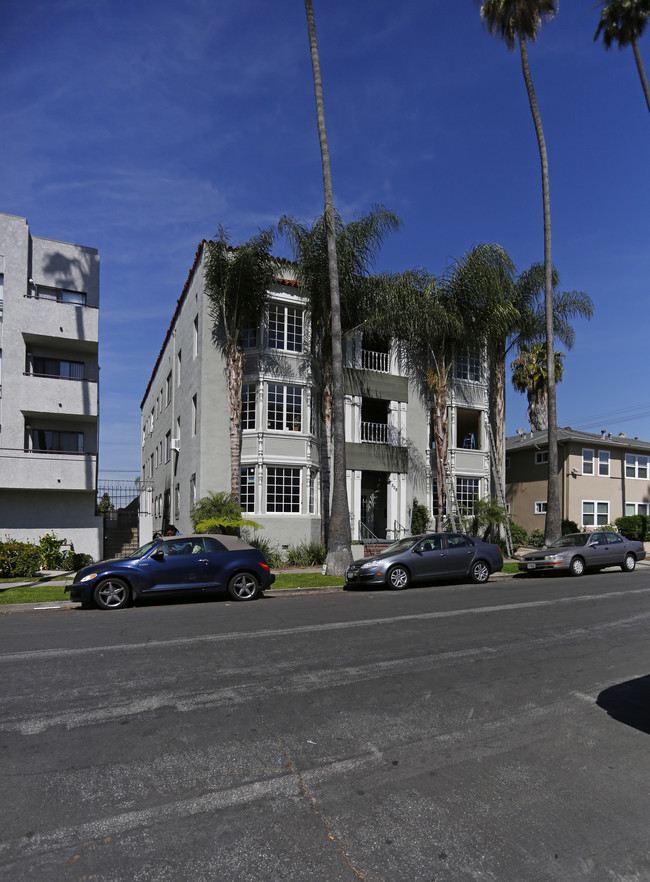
(176, 444)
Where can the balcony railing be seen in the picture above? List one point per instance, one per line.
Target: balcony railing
(375, 361)
(374, 433)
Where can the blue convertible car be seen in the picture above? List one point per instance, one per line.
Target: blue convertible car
(178, 565)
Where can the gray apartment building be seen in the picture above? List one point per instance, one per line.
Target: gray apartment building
(185, 430)
(49, 333)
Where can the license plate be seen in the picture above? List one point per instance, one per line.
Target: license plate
(531, 566)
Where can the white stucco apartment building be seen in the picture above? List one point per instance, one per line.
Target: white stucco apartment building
(49, 333)
(185, 424)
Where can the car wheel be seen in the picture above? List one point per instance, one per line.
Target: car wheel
(398, 578)
(577, 566)
(629, 564)
(112, 594)
(244, 586)
(480, 572)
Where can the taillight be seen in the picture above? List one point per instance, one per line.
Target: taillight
(264, 566)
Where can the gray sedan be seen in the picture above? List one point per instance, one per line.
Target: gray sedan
(425, 558)
(577, 552)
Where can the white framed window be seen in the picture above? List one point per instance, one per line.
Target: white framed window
(540, 507)
(284, 408)
(247, 488)
(587, 461)
(168, 446)
(54, 441)
(248, 403)
(151, 416)
(285, 329)
(195, 337)
(194, 414)
(144, 434)
(636, 466)
(156, 458)
(179, 365)
(192, 492)
(467, 491)
(541, 457)
(177, 502)
(637, 508)
(283, 490)
(312, 476)
(168, 389)
(594, 513)
(249, 338)
(468, 367)
(603, 463)
(56, 367)
(178, 429)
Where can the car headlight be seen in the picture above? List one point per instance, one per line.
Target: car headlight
(554, 558)
(367, 566)
(89, 577)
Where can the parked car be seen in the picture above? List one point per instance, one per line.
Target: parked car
(426, 558)
(177, 565)
(577, 552)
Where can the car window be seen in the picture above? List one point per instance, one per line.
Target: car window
(175, 547)
(213, 545)
(572, 540)
(433, 543)
(613, 538)
(456, 541)
(597, 539)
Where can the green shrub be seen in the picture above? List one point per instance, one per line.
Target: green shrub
(51, 554)
(633, 527)
(270, 552)
(420, 518)
(19, 558)
(519, 535)
(536, 538)
(306, 554)
(74, 560)
(569, 527)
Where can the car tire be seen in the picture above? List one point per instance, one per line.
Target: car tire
(112, 594)
(398, 578)
(244, 586)
(480, 572)
(577, 566)
(629, 564)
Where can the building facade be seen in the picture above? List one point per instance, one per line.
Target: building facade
(601, 477)
(49, 334)
(185, 430)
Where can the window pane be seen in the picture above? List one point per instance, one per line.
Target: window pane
(73, 297)
(294, 409)
(603, 462)
(248, 406)
(283, 490)
(587, 462)
(642, 467)
(630, 465)
(247, 489)
(275, 407)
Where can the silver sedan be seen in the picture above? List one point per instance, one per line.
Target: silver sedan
(577, 552)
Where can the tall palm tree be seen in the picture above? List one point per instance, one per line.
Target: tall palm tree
(339, 552)
(529, 375)
(357, 246)
(237, 281)
(517, 21)
(623, 22)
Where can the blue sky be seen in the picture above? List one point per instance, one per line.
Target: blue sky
(137, 128)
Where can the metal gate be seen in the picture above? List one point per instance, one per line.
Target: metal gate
(122, 504)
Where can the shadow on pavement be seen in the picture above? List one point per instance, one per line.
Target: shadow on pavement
(628, 703)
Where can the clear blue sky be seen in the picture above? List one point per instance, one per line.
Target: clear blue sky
(137, 127)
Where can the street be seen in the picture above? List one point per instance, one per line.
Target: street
(453, 733)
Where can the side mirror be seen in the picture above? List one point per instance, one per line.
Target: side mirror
(158, 554)
(417, 549)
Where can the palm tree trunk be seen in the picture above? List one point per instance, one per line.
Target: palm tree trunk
(437, 380)
(235, 374)
(640, 68)
(339, 554)
(499, 407)
(553, 514)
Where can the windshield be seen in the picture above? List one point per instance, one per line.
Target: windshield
(573, 540)
(144, 549)
(402, 545)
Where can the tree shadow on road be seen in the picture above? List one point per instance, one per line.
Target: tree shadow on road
(628, 703)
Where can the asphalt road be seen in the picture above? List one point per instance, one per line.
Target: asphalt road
(452, 733)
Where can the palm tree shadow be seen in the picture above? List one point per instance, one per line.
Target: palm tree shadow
(628, 703)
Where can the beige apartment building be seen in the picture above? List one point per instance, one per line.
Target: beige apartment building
(601, 477)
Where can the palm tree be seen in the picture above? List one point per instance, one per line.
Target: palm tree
(517, 21)
(357, 246)
(623, 22)
(529, 375)
(237, 281)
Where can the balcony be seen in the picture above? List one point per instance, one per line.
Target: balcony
(380, 433)
(375, 361)
(56, 319)
(24, 470)
(60, 395)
